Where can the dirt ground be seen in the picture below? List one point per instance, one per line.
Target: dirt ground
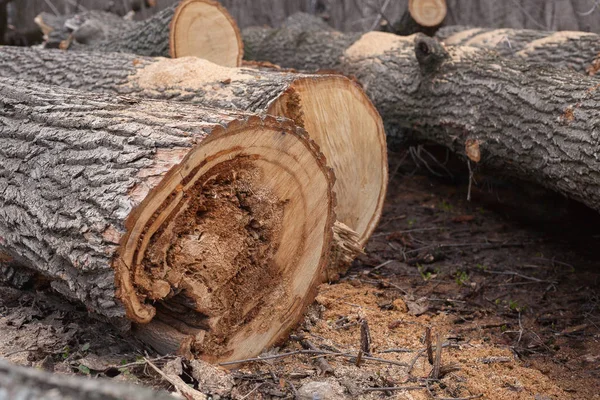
(508, 283)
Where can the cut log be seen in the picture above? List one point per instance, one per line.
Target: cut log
(200, 28)
(578, 51)
(428, 12)
(29, 384)
(333, 109)
(535, 124)
(208, 228)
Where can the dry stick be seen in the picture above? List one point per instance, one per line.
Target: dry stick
(359, 358)
(438, 357)
(428, 345)
(393, 388)
(323, 353)
(322, 362)
(365, 337)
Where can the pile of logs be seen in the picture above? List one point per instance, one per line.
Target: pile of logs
(199, 203)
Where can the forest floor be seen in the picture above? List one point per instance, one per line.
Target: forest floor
(509, 283)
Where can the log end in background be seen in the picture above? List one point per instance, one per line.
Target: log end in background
(204, 28)
(428, 12)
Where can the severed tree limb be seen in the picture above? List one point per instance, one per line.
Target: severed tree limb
(578, 51)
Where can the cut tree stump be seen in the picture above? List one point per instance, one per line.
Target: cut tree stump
(578, 51)
(32, 384)
(209, 229)
(333, 109)
(200, 28)
(536, 124)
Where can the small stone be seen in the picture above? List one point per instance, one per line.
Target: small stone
(321, 391)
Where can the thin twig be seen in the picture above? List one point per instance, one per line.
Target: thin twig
(393, 388)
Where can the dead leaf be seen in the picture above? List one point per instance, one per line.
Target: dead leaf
(472, 150)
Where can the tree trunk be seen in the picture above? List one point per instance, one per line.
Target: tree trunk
(536, 124)
(574, 50)
(28, 384)
(200, 28)
(333, 109)
(214, 225)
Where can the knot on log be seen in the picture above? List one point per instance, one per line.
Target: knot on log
(430, 53)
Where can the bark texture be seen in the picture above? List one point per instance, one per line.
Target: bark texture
(148, 38)
(535, 124)
(312, 47)
(566, 49)
(31, 384)
(127, 74)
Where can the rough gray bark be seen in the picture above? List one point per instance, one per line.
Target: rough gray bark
(537, 124)
(574, 50)
(31, 384)
(147, 38)
(68, 163)
(300, 43)
(114, 73)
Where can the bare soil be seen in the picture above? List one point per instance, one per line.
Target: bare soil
(509, 282)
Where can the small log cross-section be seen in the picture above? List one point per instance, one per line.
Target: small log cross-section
(579, 51)
(209, 229)
(428, 12)
(333, 109)
(200, 28)
(536, 124)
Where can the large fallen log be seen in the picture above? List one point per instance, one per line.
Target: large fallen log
(209, 229)
(538, 124)
(201, 28)
(579, 51)
(31, 384)
(333, 109)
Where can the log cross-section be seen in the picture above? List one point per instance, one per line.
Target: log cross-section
(209, 229)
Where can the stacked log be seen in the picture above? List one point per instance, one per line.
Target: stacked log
(201, 28)
(333, 109)
(208, 229)
(537, 124)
